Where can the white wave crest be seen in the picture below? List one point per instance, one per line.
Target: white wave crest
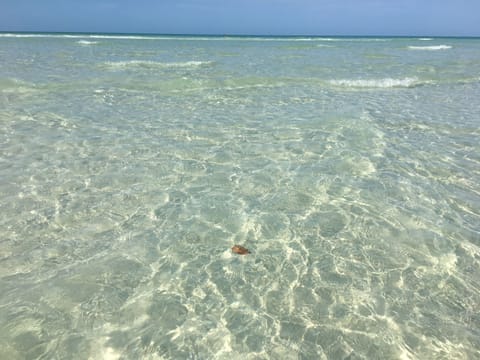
(189, 38)
(376, 83)
(425, 39)
(79, 36)
(23, 35)
(86, 42)
(352, 39)
(431, 48)
(156, 64)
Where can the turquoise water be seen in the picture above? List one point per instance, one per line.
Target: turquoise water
(130, 165)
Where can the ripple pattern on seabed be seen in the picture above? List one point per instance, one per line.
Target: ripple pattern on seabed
(123, 192)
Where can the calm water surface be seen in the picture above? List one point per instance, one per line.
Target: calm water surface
(130, 165)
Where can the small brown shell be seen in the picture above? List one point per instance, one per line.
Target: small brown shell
(240, 250)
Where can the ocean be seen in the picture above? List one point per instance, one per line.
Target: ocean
(131, 164)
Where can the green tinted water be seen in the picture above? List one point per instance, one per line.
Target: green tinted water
(131, 165)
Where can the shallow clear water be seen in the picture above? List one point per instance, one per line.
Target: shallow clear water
(129, 167)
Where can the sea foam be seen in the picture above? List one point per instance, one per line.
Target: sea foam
(86, 42)
(155, 64)
(376, 83)
(192, 38)
(431, 48)
(79, 36)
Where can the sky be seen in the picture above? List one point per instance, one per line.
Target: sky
(248, 17)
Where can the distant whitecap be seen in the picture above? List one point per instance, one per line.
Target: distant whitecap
(376, 83)
(86, 42)
(155, 64)
(431, 48)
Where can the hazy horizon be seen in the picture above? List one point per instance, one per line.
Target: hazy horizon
(265, 18)
(79, 33)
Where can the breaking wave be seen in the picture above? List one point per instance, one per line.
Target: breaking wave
(79, 36)
(190, 38)
(86, 42)
(377, 83)
(431, 48)
(155, 64)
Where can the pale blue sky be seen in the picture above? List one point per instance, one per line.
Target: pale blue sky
(263, 17)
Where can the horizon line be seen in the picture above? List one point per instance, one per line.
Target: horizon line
(232, 35)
